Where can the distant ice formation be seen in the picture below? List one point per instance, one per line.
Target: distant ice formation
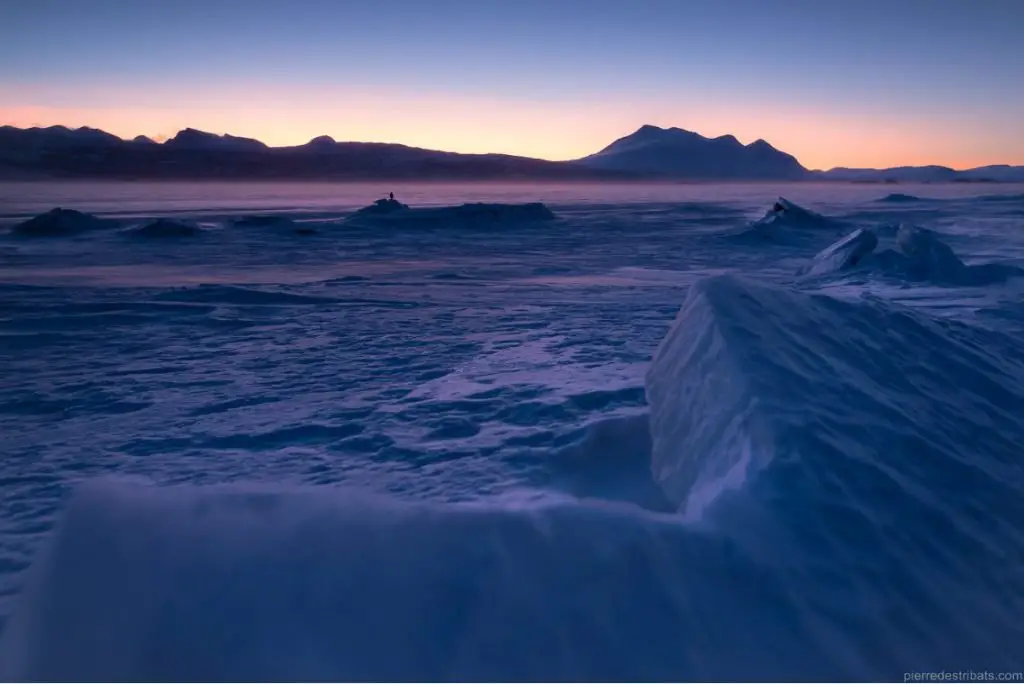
(843, 254)
(899, 197)
(388, 205)
(167, 228)
(787, 221)
(927, 255)
(60, 222)
(392, 212)
(791, 215)
(915, 254)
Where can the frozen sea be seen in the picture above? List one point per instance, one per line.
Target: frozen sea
(653, 439)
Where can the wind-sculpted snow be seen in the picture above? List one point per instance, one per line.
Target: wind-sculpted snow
(928, 257)
(490, 454)
(843, 254)
(244, 584)
(789, 223)
(915, 254)
(787, 214)
(60, 222)
(193, 585)
(743, 382)
(873, 440)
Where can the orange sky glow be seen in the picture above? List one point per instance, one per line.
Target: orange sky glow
(549, 130)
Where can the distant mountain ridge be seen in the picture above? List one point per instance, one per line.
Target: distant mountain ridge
(997, 173)
(60, 152)
(676, 152)
(649, 152)
(192, 139)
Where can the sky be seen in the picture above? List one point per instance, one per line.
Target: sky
(858, 83)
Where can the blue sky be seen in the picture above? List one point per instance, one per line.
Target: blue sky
(834, 82)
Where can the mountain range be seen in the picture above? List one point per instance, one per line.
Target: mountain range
(649, 152)
(674, 152)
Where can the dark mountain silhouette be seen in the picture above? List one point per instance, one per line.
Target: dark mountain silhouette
(59, 152)
(678, 153)
(191, 139)
(54, 137)
(926, 174)
(648, 153)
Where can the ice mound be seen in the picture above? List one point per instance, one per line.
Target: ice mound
(921, 255)
(899, 197)
(787, 214)
(927, 254)
(382, 206)
(168, 228)
(393, 213)
(752, 375)
(786, 221)
(705, 421)
(843, 254)
(60, 222)
(863, 447)
(915, 254)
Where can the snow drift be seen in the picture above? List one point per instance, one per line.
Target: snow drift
(192, 584)
(751, 375)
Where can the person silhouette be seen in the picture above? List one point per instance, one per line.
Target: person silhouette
(391, 196)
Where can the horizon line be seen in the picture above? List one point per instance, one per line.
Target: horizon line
(161, 139)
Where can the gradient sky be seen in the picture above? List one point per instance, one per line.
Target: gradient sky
(834, 82)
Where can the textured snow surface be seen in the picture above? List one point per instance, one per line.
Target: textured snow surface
(678, 433)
